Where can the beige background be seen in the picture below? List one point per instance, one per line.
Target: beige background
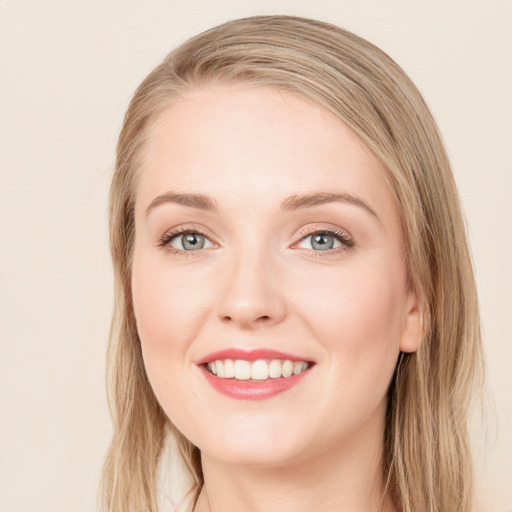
(67, 70)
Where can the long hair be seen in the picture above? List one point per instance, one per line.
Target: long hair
(426, 455)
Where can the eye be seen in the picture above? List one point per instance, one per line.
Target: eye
(190, 242)
(319, 242)
(185, 240)
(325, 240)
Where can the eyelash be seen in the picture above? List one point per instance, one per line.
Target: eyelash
(165, 241)
(346, 241)
(342, 236)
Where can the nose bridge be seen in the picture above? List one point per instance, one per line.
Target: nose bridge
(251, 294)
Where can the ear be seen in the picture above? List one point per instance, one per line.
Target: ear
(412, 331)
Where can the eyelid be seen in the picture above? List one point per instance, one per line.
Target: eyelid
(340, 234)
(175, 232)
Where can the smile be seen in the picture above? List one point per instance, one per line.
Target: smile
(255, 374)
(259, 370)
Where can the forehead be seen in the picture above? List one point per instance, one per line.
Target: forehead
(254, 144)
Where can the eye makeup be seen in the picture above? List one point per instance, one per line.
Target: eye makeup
(322, 240)
(340, 235)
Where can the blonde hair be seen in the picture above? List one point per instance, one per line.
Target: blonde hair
(426, 451)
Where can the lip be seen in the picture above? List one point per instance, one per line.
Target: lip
(249, 355)
(251, 390)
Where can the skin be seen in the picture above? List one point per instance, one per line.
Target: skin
(259, 283)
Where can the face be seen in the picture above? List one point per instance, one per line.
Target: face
(269, 282)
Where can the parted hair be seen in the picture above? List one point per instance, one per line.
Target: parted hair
(426, 454)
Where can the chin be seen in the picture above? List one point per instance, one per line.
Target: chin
(252, 456)
(258, 445)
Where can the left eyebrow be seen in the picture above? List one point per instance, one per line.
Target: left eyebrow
(296, 202)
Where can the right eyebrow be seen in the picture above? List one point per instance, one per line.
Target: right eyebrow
(199, 201)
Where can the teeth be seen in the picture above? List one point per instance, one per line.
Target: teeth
(229, 369)
(275, 368)
(261, 369)
(287, 369)
(242, 370)
(299, 367)
(220, 368)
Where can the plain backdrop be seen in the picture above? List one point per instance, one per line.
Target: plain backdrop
(67, 71)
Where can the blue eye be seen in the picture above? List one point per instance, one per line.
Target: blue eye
(320, 242)
(190, 242)
(185, 241)
(327, 240)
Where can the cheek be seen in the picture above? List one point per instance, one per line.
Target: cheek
(169, 306)
(357, 315)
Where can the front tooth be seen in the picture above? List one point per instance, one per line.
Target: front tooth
(275, 369)
(229, 369)
(287, 368)
(297, 368)
(242, 369)
(219, 365)
(259, 370)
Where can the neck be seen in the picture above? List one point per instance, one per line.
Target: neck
(347, 478)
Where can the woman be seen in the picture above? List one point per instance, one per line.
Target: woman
(295, 301)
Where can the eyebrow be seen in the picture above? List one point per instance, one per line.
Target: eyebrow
(295, 202)
(198, 201)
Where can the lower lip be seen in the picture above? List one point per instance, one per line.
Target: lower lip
(252, 390)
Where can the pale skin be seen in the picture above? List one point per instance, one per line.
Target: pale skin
(256, 173)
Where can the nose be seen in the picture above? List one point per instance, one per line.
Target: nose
(252, 295)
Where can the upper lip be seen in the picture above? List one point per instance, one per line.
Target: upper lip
(248, 355)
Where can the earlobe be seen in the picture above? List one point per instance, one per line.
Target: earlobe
(412, 332)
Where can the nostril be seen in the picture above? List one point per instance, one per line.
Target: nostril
(260, 319)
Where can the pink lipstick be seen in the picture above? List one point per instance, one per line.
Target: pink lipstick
(255, 374)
